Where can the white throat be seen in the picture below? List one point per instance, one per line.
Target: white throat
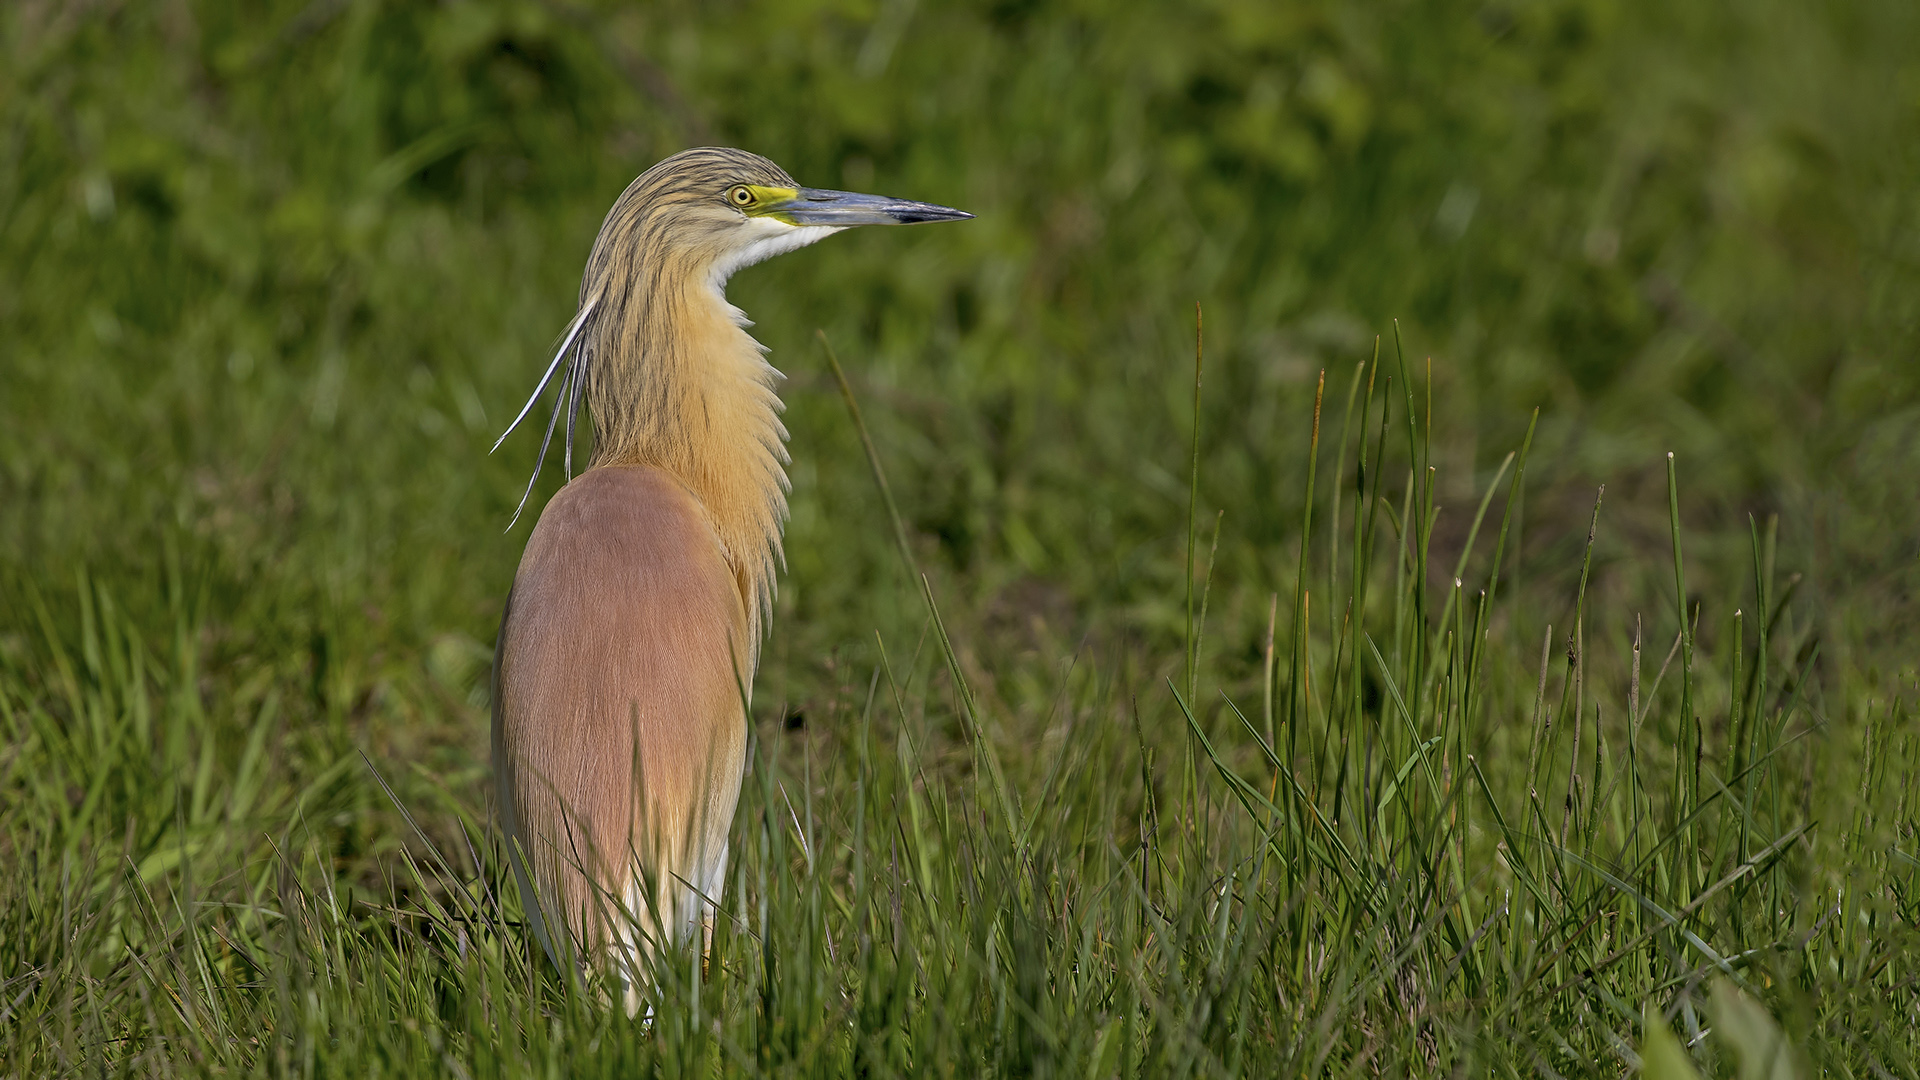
(765, 239)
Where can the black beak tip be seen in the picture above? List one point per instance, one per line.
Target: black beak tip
(919, 215)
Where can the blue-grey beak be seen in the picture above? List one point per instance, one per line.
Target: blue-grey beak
(818, 206)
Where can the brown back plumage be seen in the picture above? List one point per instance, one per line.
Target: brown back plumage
(619, 733)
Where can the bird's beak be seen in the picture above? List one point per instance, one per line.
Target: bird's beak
(817, 206)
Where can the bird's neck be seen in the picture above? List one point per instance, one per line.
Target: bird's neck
(678, 384)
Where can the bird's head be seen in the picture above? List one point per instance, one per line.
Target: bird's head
(717, 209)
(690, 221)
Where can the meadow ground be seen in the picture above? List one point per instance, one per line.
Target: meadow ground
(1498, 657)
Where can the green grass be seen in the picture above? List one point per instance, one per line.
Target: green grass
(1321, 714)
(1154, 888)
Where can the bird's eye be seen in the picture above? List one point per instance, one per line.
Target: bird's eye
(741, 196)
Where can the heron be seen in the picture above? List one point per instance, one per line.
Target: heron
(631, 634)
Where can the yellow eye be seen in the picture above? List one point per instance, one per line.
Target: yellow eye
(740, 196)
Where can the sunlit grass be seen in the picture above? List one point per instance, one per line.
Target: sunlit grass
(1416, 848)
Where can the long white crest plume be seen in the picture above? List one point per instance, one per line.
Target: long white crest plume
(571, 380)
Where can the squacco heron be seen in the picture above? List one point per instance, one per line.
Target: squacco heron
(632, 632)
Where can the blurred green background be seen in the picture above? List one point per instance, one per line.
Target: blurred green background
(274, 275)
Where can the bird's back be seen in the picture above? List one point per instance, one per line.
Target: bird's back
(619, 728)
